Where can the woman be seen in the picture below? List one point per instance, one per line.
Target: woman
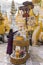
(10, 41)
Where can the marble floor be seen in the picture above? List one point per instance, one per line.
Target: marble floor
(36, 55)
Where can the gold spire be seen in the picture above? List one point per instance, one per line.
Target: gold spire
(1, 17)
(13, 10)
(36, 1)
(42, 3)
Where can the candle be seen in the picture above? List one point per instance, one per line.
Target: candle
(17, 54)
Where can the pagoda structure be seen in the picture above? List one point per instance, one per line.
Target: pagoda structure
(1, 17)
(7, 22)
(13, 11)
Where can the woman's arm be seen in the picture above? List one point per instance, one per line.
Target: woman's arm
(15, 32)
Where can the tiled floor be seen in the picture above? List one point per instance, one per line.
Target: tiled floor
(36, 55)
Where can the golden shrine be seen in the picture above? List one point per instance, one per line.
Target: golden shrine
(4, 25)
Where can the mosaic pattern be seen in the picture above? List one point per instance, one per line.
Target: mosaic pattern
(36, 55)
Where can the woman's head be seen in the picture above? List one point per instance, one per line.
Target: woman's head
(11, 30)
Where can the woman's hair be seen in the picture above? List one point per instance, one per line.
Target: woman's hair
(11, 30)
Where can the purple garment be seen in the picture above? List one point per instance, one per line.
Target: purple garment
(10, 43)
